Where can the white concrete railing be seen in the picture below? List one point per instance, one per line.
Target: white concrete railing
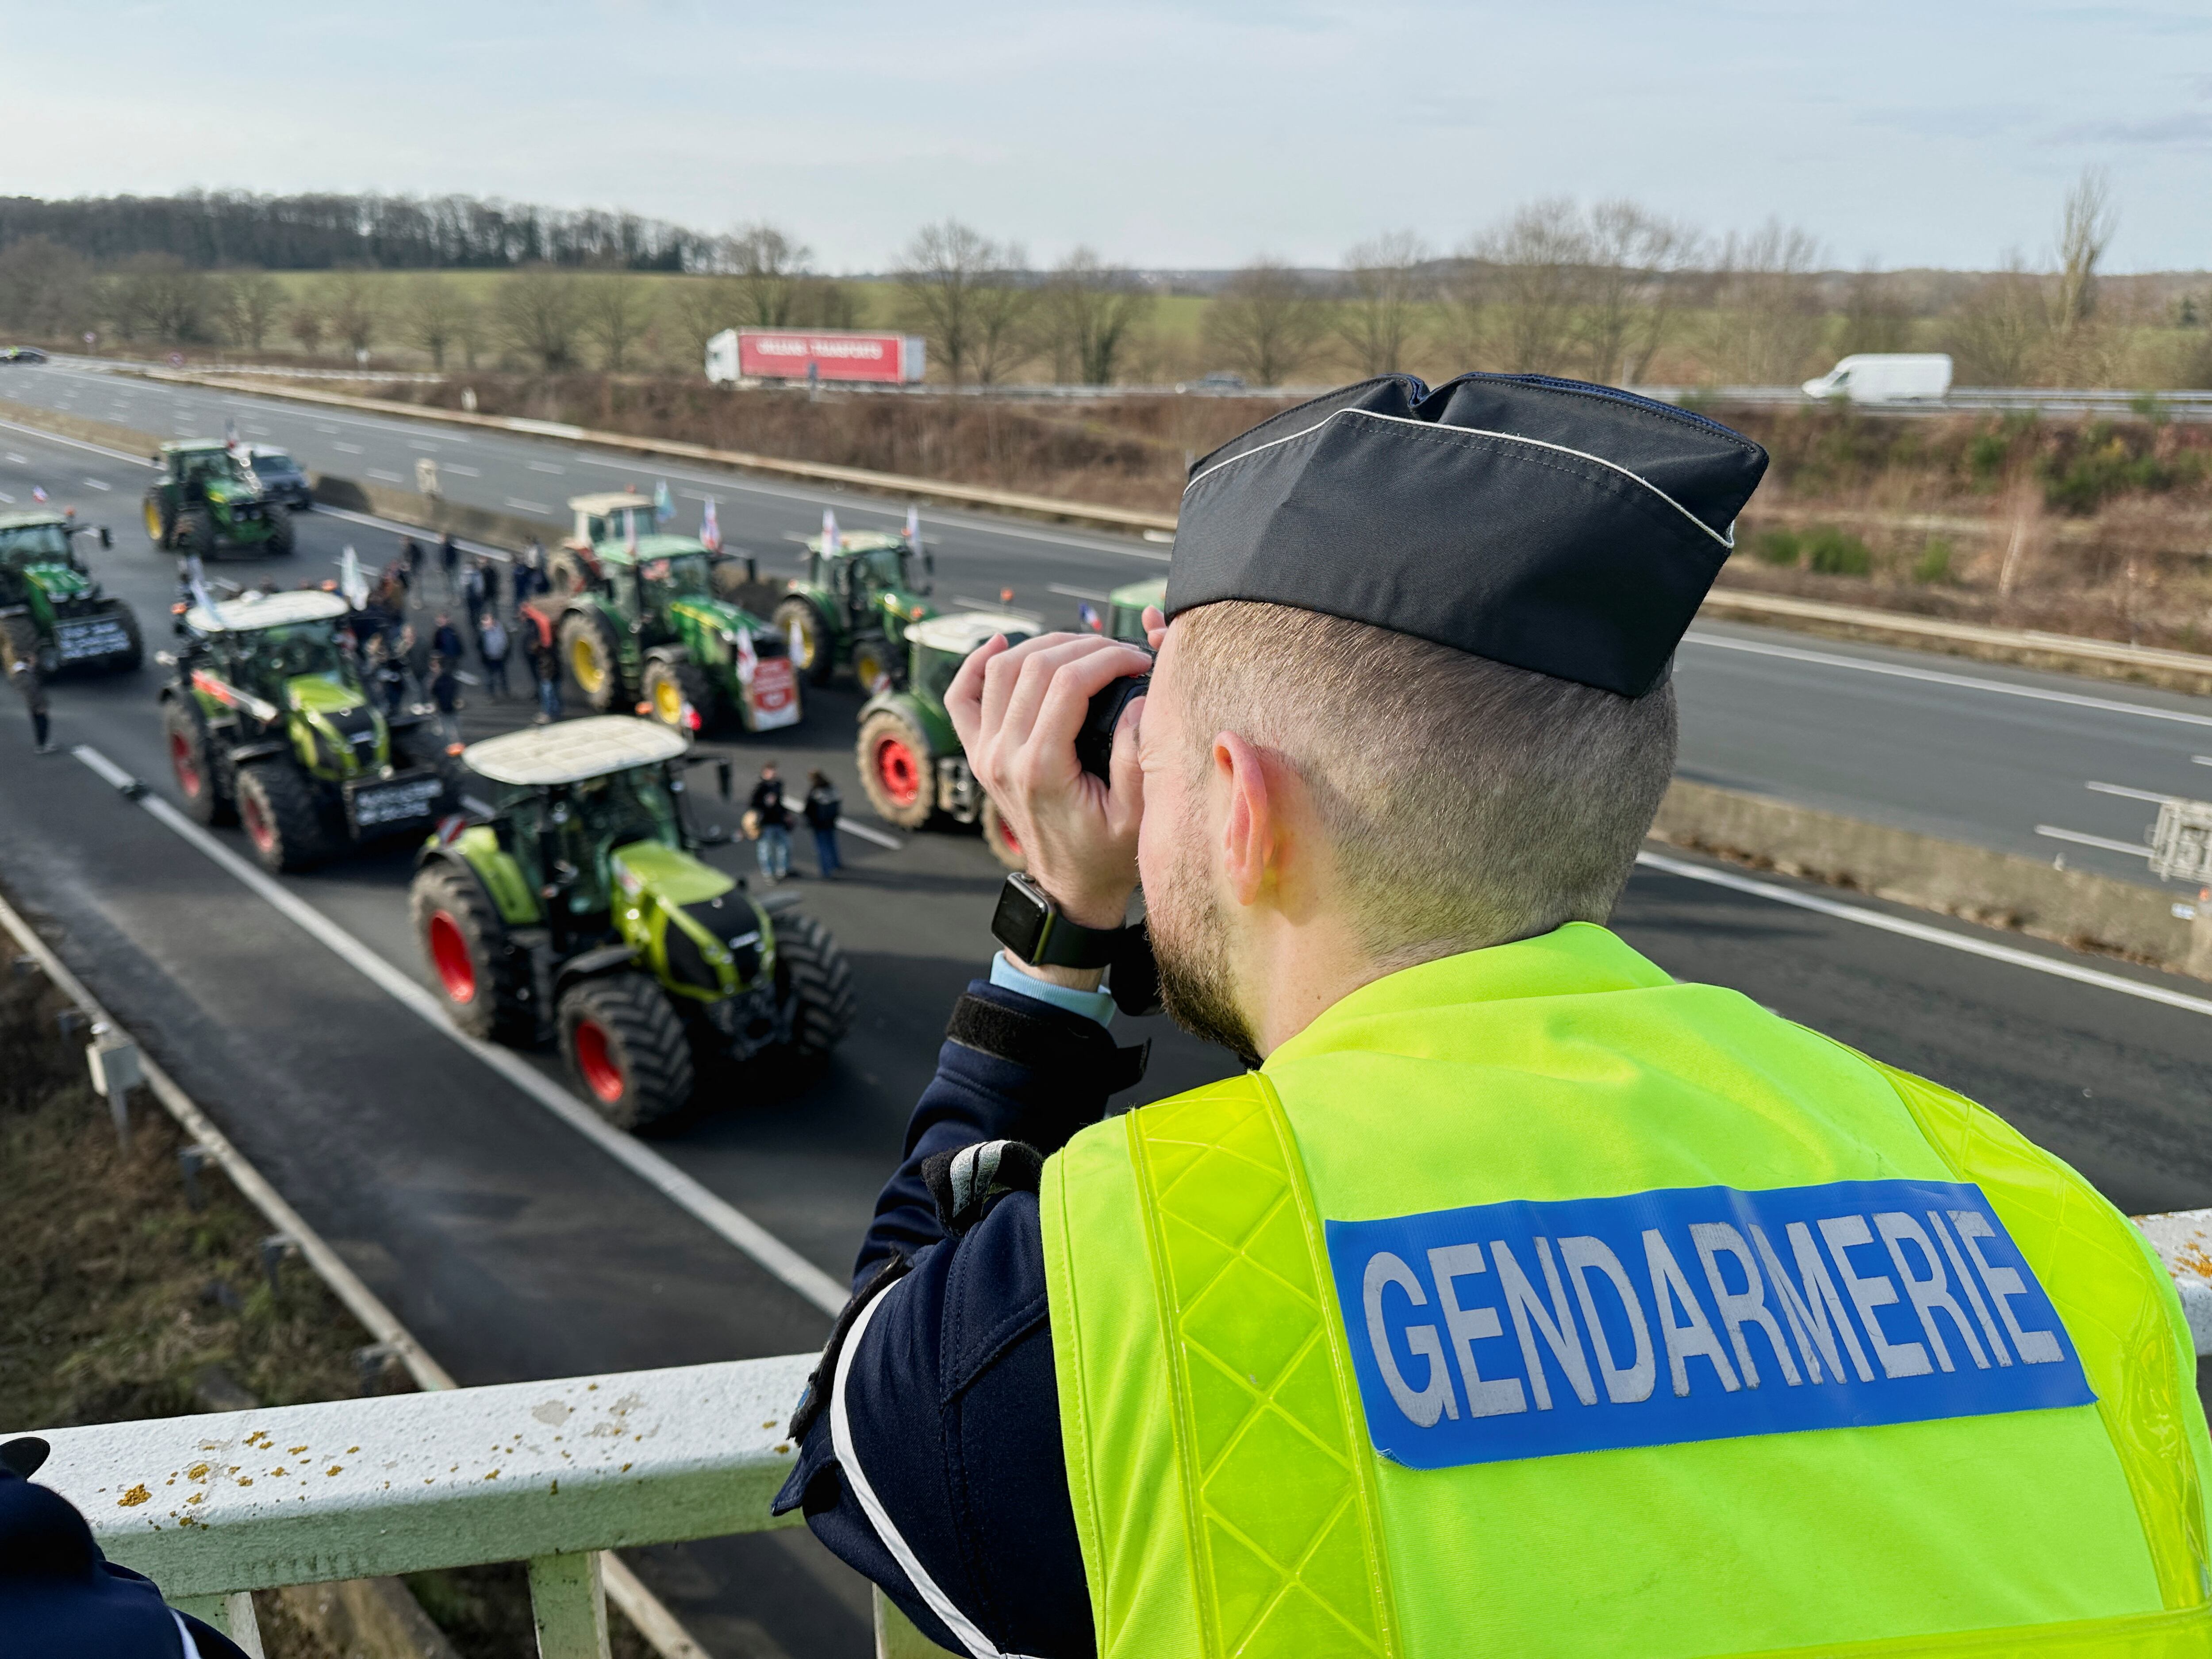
(213, 1508)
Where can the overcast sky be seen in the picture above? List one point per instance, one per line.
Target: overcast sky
(1935, 132)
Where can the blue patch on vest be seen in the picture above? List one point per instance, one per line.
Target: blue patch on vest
(1526, 1330)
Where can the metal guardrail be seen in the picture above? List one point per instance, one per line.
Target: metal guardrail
(213, 1508)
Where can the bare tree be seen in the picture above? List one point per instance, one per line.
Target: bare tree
(252, 300)
(616, 308)
(825, 302)
(962, 292)
(1766, 318)
(770, 266)
(1386, 296)
(435, 310)
(2000, 332)
(354, 307)
(1087, 310)
(1266, 321)
(46, 290)
(2085, 225)
(1633, 279)
(157, 296)
(305, 323)
(702, 306)
(541, 315)
(1520, 287)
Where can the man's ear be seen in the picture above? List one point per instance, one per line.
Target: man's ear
(1251, 826)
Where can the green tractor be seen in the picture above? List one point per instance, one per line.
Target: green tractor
(268, 724)
(855, 605)
(575, 906)
(910, 759)
(52, 611)
(1125, 609)
(205, 496)
(641, 626)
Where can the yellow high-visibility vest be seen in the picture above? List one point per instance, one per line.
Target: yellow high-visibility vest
(1528, 1302)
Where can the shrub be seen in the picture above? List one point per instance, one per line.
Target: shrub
(1934, 564)
(1987, 454)
(1775, 546)
(1834, 552)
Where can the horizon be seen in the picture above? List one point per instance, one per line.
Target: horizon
(1195, 142)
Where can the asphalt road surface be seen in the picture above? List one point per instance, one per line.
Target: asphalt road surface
(516, 1247)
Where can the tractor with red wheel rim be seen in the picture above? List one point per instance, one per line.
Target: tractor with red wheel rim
(268, 726)
(911, 762)
(573, 906)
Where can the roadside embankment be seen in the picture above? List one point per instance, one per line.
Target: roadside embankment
(2162, 928)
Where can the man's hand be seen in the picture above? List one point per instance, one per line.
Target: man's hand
(1017, 709)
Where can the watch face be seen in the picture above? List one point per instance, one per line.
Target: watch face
(1018, 923)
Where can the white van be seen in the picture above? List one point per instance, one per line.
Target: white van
(1887, 377)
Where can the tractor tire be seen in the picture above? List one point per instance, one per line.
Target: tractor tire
(284, 824)
(160, 529)
(626, 1050)
(567, 573)
(670, 687)
(592, 658)
(897, 770)
(193, 531)
(133, 655)
(484, 990)
(808, 962)
(1000, 837)
(816, 658)
(283, 536)
(191, 757)
(876, 667)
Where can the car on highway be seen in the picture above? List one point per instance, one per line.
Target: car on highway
(22, 354)
(268, 724)
(52, 609)
(281, 477)
(911, 762)
(574, 905)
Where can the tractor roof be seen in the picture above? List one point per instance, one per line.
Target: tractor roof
(963, 630)
(266, 610)
(570, 752)
(1153, 590)
(649, 547)
(610, 500)
(193, 446)
(32, 519)
(860, 541)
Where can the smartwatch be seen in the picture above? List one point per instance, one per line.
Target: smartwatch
(1028, 923)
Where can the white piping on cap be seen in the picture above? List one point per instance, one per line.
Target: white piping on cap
(1727, 541)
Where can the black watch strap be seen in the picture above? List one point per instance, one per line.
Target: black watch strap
(1050, 1042)
(1030, 924)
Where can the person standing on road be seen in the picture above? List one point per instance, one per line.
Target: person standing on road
(492, 646)
(823, 806)
(411, 554)
(773, 818)
(544, 660)
(446, 639)
(1515, 1298)
(449, 564)
(446, 696)
(31, 685)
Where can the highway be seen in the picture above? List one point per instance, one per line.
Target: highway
(517, 1245)
(1967, 750)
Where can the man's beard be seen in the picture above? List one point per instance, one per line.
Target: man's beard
(1190, 944)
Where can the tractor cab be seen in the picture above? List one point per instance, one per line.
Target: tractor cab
(204, 495)
(51, 607)
(854, 606)
(1125, 611)
(37, 551)
(606, 518)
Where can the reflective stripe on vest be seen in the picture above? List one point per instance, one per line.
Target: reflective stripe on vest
(1229, 1500)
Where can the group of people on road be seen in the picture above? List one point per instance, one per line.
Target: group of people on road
(768, 823)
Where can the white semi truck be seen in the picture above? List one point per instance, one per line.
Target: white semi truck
(1887, 377)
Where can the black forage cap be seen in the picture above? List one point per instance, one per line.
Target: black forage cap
(1555, 525)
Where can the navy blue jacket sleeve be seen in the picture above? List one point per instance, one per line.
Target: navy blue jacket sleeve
(950, 1399)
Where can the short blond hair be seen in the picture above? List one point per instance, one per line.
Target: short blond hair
(1468, 803)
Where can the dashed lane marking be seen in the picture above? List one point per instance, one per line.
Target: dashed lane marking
(723, 1217)
(1989, 948)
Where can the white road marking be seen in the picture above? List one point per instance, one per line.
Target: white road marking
(458, 470)
(854, 827)
(723, 1218)
(2202, 760)
(1936, 676)
(388, 477)
(2009, 955)
(95, 483)
(2123, 791)
(348, 449)
(1078, 594)
(548, 466)
(4, 496)
(18, 460)
(45, 436)
(399, 529)
(2081, 839)
(521, 506)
